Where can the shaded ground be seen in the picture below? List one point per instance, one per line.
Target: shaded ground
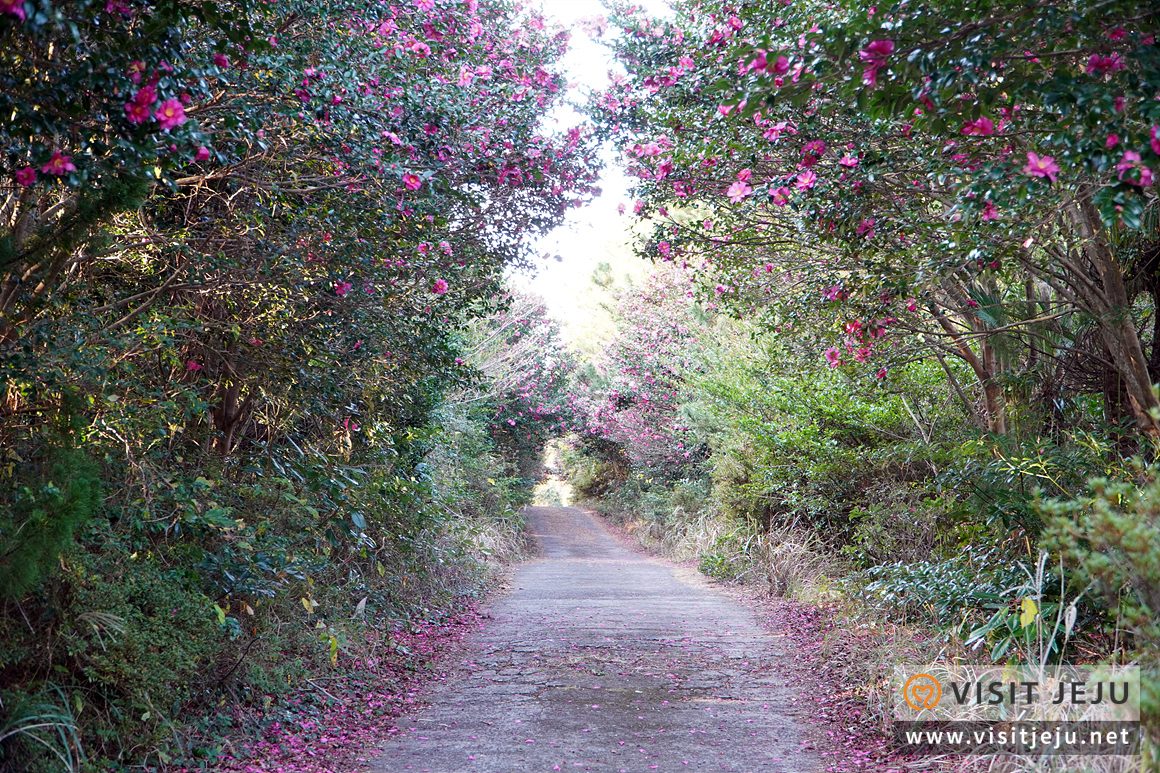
(601, 659)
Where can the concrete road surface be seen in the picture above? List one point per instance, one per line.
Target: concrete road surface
(600, 659)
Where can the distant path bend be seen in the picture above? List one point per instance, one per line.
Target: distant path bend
(600, 659)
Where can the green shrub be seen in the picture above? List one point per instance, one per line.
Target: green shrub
(1110, 537)
(50, 499)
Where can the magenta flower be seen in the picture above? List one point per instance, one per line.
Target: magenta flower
(221, 60)
(13, 7)
(980, 127)
(806, 180)
(833, 357)
(412, 182)
(58, 165)
(202, 153)
(26, 176)
(911, 304)
(1131, 160)
(136, 70)
(439, 287)
(848, 161)
(136, 112)
(990, 211)
(1102, 65)
(875, 55)
(145, 96)
(835, 293)
(342, 288)
(1155, 140)
(780, 196)
(1112, 141)
(780, 67)
(170, 114)
(1041, 166)
(191, 365)
(866, 228)
(881, 373)
(744, 175)
(738, 191)
(664, 248)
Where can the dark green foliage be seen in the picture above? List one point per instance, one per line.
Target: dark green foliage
(52, 497)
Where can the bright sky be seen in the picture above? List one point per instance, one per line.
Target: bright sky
(596, 233)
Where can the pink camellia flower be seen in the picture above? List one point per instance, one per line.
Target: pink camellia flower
(58, 165)
(744, 175)
(26, 176)
(848, 161)
(881, 373)
(866, 228)
(875, 55)
(446, 247)
(780, 196)
(136, 112)
(1117, 33)
(980, 127)
(1102, 65)
(342, 288)
(136, 70)
(806, 180)
(990, 211)
(1131, 160)
(202, 153)
(664, 248)
(780, 67)
(911, 304)
(191, 365)
(1112, 141)
(221, 60)
(833, 357)
(13, 7)
(1041, 166)
(1155, 140)
(425, 5)
(720, 289)
(170, 114)
(834, 293)
(412, 182)
(145, 96)
(1118, 104)
(439, 287)
(738, 191)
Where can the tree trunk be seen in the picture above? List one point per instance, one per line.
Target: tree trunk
(1113, 313)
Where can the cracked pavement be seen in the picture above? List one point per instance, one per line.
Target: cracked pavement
(601, 659)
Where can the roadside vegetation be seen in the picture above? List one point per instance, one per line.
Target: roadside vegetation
(254, 442)
(897, 357)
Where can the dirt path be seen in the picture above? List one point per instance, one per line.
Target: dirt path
(600, 659)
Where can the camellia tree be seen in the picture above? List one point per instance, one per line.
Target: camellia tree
(972, 182)
(632, 397)
(239, 244)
